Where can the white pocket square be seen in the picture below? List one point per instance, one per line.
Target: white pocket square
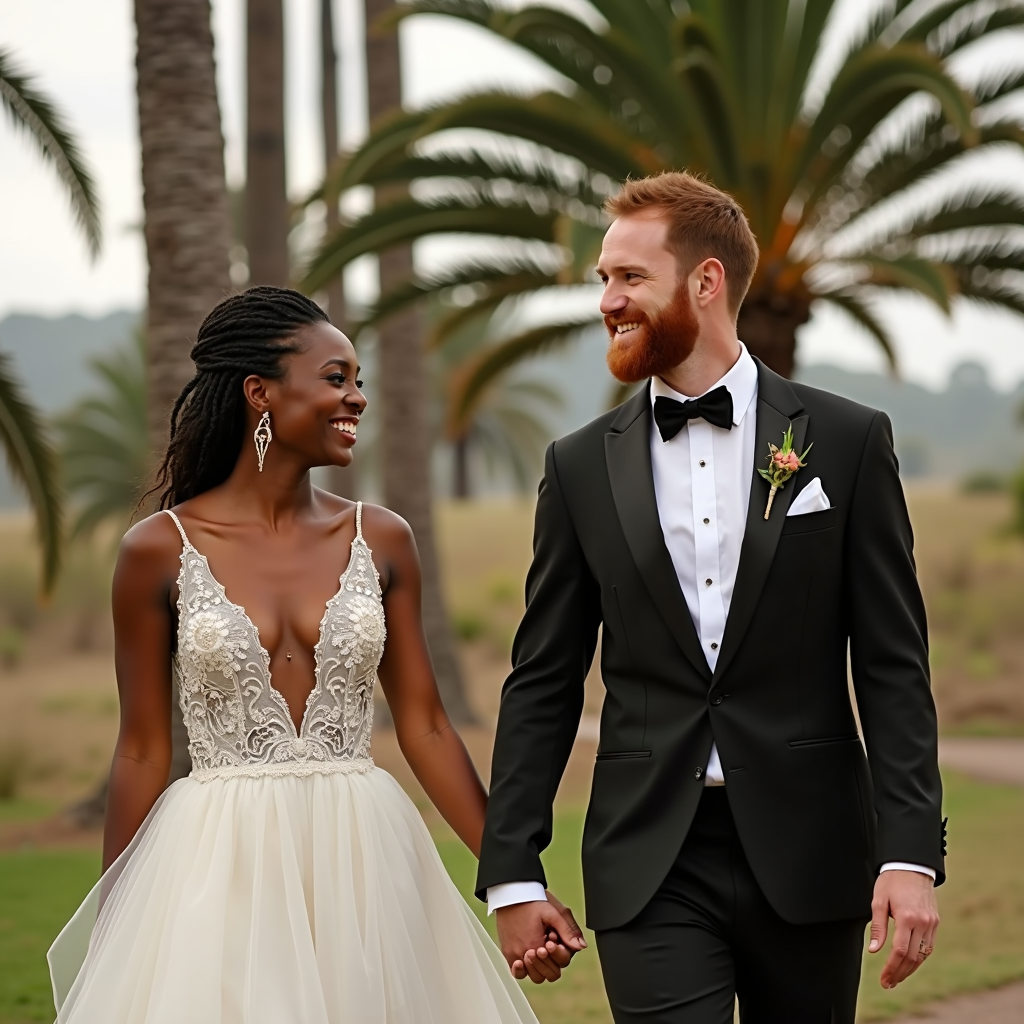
(811, 499)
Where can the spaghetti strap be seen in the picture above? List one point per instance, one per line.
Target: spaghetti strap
(181, 529)
(359, 520)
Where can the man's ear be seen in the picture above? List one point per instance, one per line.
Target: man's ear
(255, 391)
(710, 281)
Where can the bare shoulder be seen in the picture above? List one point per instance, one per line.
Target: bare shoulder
(152, 544)
(387, 528)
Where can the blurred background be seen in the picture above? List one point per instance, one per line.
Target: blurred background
(433, 173)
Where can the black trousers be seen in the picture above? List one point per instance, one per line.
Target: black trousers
(709, 936)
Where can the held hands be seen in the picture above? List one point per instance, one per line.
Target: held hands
(538, 939)
(908, 897)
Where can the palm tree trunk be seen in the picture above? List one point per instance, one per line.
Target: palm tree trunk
(460, 475)
(767, 325)
(266, 196)
(406, 437)
(340, 481)
(329, 110)
(186, 210)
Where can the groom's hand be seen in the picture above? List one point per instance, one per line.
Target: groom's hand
(908, 897)
(538, 939)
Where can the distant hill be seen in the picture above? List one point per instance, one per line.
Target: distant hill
(968, 426)
(51, 356)
(951, 433)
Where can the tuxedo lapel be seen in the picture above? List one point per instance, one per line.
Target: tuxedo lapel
(627, 449)
(777, 408)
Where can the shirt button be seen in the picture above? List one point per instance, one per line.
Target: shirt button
(706, 521)
(701, 463)
(698, 772)
(708, 581)
(714, 646)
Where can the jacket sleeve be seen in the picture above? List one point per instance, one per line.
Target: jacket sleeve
(542, 699)
(889, 661)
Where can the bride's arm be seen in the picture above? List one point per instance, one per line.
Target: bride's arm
(428, 740)
(142, 661)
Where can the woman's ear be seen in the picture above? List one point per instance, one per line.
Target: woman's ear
(255, 391)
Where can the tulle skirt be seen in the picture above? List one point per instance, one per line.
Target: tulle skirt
(288, 900)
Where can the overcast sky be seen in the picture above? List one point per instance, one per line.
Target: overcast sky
(83, 56)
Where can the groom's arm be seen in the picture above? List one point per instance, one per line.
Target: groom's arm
(889, 661)
(542, 699)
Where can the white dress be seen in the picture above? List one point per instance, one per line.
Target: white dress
(287, 880)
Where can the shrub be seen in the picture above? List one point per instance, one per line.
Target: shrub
(12, 646)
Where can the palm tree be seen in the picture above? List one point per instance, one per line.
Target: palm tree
(24, 440)
(105, 451)
(506, 424)
(187, 224)
(841, 170)
(266, 197)
(405, 442)
(329, 117)
(508, 429)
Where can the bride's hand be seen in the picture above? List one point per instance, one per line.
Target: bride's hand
(538, 939)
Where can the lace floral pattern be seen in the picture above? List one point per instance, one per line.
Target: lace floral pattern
(238, 724)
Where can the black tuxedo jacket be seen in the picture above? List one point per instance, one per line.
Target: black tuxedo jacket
(816, 817)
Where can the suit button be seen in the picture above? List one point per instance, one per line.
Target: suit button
(717, 699)
(698, 772)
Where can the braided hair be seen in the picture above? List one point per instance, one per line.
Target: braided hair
(246, 334)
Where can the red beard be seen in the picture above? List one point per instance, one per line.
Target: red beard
(656, 346)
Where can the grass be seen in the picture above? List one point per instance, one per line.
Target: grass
(981, 938)
(981, 941)
(39, 891)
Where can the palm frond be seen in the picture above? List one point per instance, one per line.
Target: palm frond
(852, 302)
(864, 93)
(990, 290)
(105, 446)
(499, 357)
(557, 122)
(493, 280)
(33, 462)
(946, 34)
(976, 208)
(29, 109)
(906, 273)
(408, 220)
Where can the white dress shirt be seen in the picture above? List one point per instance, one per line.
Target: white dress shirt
(702, 480)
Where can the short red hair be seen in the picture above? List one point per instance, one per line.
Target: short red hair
(704, 222)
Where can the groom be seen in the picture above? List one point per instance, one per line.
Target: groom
(740, 832)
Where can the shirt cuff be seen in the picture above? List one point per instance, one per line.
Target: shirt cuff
(509, 893)
(899, 865)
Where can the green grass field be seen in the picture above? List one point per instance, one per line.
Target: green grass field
(981, 941)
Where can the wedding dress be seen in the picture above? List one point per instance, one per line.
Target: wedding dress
(287, 880)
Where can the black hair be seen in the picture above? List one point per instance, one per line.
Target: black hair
(246, 334)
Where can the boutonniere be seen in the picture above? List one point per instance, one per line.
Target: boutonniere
(782, 464)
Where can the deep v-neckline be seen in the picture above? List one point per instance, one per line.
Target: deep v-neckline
(274, 692)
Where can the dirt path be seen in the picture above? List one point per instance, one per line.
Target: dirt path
(990, 759)
(1000, 1006)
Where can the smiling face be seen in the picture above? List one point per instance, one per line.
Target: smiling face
(647, 307)
(315, 406)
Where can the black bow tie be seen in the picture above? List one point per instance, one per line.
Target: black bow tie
(671, 416)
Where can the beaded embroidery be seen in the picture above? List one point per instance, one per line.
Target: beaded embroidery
(238, 724)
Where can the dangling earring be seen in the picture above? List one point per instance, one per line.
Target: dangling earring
(262, 436)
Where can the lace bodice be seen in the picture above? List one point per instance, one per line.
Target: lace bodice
(238, 724)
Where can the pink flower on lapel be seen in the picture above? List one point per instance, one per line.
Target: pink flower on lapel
(782, 464)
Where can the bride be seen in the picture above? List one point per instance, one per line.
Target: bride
(287, 880)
